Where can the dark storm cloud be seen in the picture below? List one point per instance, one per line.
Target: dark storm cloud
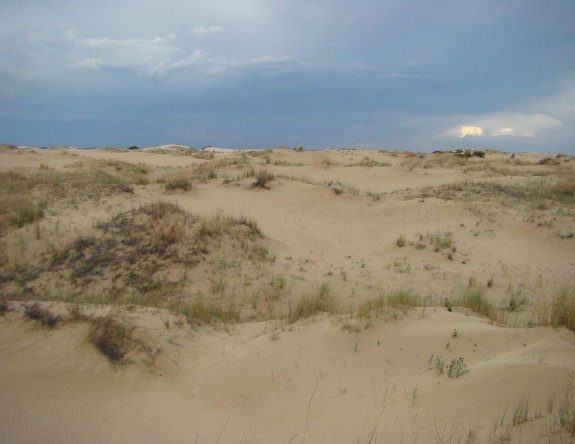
(388, 74)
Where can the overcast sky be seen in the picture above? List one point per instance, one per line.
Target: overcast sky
(392, 74)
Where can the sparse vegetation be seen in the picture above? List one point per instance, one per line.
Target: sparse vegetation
(457, 368)
(399, 299)
(563, 309)
(41, 315)
(474, 298)
(263, 178)
(112, 338)
(174, 184)
(439, 365)
(4, 307)
(401, 241)
(320, 301)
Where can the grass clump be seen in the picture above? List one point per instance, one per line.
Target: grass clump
(263, 178)
(403, 298)
(401, 241)
(397, 299)
(308, 306)
(41, 315)
(563, 309)
(474, 298)
(174, 184)
(202, 312)
(26, 212)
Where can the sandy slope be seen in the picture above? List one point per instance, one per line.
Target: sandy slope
(312, 382)
(325, 379)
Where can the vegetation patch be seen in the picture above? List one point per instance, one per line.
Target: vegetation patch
(474, 298)
(541, 193)
(143, 257)
(563, 309)
(457, 368)
(41, 315)
(321, 301)
(113, 339)
(263, 178)
(4, 307)
(402, 299)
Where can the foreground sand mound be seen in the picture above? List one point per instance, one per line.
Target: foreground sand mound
(311, 382)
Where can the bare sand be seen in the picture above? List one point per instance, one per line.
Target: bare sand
(359, 224)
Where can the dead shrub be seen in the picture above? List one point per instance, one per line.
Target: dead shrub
(4, 308)
(113, 339)
(41, 315)
(262, 180)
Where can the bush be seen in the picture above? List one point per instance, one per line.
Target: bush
(111, 338)
(457, 368)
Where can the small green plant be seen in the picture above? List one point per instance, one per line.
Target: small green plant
(439, 365)
(447, 304)
(457, 368)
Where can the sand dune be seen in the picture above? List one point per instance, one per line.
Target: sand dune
(330, 296)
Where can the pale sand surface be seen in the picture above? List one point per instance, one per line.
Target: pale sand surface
(327, 378)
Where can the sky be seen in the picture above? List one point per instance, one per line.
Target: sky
(384, 74)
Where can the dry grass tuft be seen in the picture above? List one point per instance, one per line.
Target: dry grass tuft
(41, 315)
(263, 178)
(174, 184)
(4, 307)
(113, 339)
(563, 309)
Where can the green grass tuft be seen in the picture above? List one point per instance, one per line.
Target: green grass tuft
(308, 306)
(474, 299)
